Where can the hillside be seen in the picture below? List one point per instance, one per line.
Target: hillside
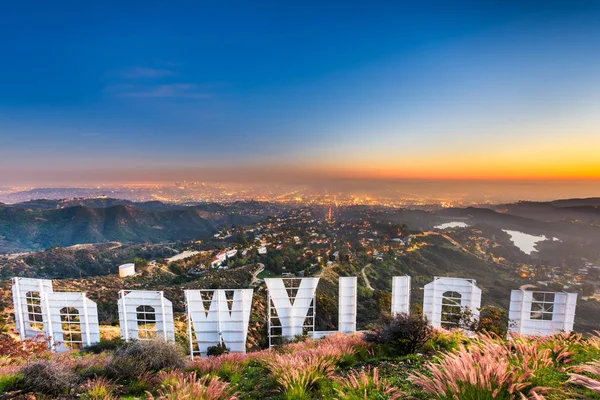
(44, 226)
(586, 210)
(79, 260)
(590, 201)
(94, 202)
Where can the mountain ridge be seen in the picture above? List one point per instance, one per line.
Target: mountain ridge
(31, 229)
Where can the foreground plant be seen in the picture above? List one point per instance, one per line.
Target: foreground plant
(591, 383)
(14, 352)
(230, 362)
(299, 368)
(179, 385)
(488, 369)
(402, 333)
(48, 377)
(99, 389)
(135, 358)
(299, 373)
(365, 385)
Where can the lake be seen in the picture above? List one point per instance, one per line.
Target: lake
(454, 224)
(525, 241)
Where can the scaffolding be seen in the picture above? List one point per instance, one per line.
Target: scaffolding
(291, 308)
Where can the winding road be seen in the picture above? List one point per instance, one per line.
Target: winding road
(255, 274)
(367, 282)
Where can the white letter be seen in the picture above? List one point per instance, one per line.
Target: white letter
(30, 316)
(73, 320)
(145, 315)
(219, 323)
(347, 305)
(291, 315)
(541, 313)
(445, 299)
(400, 295)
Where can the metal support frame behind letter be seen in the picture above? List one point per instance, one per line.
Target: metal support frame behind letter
(292, 312)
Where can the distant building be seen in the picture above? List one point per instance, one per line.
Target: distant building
(231, 253)
(219, 259)
(399, 241)
(127, 270)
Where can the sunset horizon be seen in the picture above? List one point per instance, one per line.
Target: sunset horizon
(471, 91)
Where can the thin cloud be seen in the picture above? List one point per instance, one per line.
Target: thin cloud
(147, 73)
(171, 90)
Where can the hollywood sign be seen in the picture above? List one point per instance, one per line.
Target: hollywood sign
(221, 316)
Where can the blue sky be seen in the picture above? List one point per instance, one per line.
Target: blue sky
(120, 92)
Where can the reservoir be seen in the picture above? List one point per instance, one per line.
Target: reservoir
(524, 241)
(454, 224)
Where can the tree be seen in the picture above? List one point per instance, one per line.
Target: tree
(588, 289)
(491, 319)
(402, 334)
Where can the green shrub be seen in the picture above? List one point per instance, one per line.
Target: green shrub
(366, 385)
(133, 359)
(402, 334)
(443, 340)
(91, 372)
(125, 368)
(99, 389)
(140, 387)
(491, 319)
(217, 350)
(104, 345)
(180, 385)
(48, 377)
(9, 382)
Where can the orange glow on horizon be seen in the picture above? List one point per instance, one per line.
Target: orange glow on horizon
(521, 164)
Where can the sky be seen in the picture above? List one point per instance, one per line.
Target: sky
(118, 92)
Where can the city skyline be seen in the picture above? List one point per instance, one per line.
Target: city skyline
(501, 91)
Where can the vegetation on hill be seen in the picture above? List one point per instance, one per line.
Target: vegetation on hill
(25, 229)
(94, 202)
(80, 260)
